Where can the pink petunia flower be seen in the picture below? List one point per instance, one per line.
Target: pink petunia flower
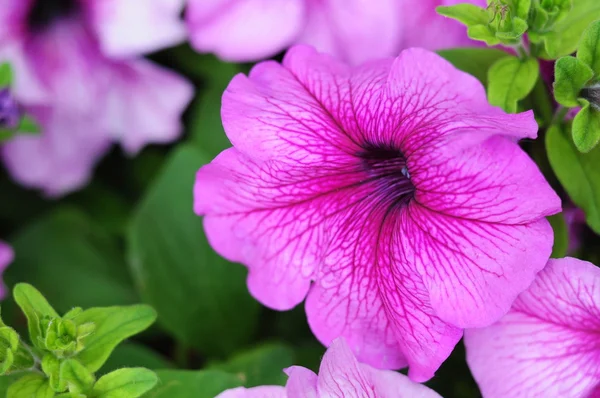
(340, 375)
(548, 345)
(78, 72)
(6, 257)
(391, 195)
(353, 30)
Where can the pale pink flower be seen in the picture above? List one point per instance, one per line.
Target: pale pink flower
(392, 194)
(78, 71)
(340, 375)
(6, 257)
(548, 345)
(353, 30)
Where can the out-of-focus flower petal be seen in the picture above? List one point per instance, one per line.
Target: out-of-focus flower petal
(255, 392)
(6, 257)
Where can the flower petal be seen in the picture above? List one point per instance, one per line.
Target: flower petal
(128, 28)
(368, 292)
(62, 157)
(302, 383)
(243, 30)
(375, 31)
(390, 384)
(255, 392)
(548, 345)
(145, 104)
(340, 374)
(6, 257)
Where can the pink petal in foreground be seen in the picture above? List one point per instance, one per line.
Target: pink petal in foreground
(393, 187)
(548, 345)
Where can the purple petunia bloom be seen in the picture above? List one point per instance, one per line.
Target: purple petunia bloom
(6, 257)
(10, 114)
(340, 375)
(353, 30)
(78, 72)
(548, 345)
(391, 195)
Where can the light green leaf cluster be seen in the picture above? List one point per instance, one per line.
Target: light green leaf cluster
(67, 350)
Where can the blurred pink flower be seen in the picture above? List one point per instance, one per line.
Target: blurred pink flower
(6, 257)
(340, 375)
(352, 30)
(78, 72)
(392, 194)
(548, 345)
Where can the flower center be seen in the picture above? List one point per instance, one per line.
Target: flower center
(387, 169)
(44, 13)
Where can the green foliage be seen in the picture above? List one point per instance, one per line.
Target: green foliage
(68, 350)
(173, 262)
(511, 79)
(589, 48)
(192, 384)
(6, 75)
(475, 61)
(571, 76)
(586, 127)
(577, 173)
(561, 235)
(134, 354)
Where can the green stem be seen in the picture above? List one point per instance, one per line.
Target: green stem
(559, 115)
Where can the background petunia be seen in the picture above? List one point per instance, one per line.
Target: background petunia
(78, 71)
(6, 257)
(391, 195)
(340, 375)
(353, 30)
(548, 345)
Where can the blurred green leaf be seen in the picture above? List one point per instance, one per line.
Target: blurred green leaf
(201, 298)
(586, 127)
(561, 235)
(113, 325)
(28, 126)
(125, 383)
(483, 33)
(192, 384)
(571, 75)
(6, 75)
(205, 126)
(74, 263)
(30, 386)
(589, 48)
(7, 380)
(564, 37)
(261, 365)
(577, 172)
(134, 355)
(475, 61)
(511, 79)
(467, 14)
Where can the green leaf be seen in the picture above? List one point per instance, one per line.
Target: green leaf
(113, 325)
(51, 368)
(260, 366)
(205, 126)
(201, 298)
(475, 61)
(6, 75)
(586, 127)
(561, 235)
(483, 33)
(30, 386)
(517, 28)
(589, 48)
(7, 380)
(131, 354)
(77, 378)
(510, 80)
(74, 263)
(521, 8)
(571, 75)
(564, 37)
(468, 14)
(34, 306)
(192, 384)
(28, 125)
(125, 383)
(577, 173)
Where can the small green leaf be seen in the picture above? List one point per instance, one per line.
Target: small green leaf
(30, 386)
(517, 28)
(577, 173)
(561, 235)
(51, 367)
(125, 383)
(571, 75)
(521, 8)
(113, 325)
(28, 125)
(510, 80)
(9, 343)
(586, 128)
(76, 377)
(475, 61)
(483, 33)
(589, 48)
(468, 14)
(6, 75)
(192, 384)
(260, 366)
(34, 306)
